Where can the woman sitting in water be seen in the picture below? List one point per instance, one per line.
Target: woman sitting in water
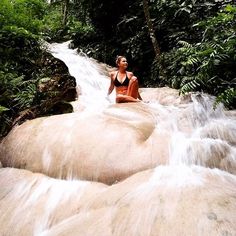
(125, 82)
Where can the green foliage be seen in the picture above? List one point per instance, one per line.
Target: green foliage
(75, 26)
(52, 25)
(22, 25)
(12, 88)
(228, 98)
(19, 39)
(54, 30)
(207, 65)
(127, 34)
(25, 97)
(19, 48)
(22, 14)
(6, 13)
(2, 109)
(17, 94)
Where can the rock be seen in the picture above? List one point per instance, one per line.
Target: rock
(56, 89)
(58, 79)
(114, 144)
(103, 147)
(167, 200)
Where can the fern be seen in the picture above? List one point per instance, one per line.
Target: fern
(227, 97)
(208, 65)
(189, 84)
(185, 44)
(3, 109)
(191, 61)
(25, 98)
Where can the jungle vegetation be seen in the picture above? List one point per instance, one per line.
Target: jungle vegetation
(184, 44)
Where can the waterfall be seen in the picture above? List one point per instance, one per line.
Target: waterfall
(194, 148)
(92, 85)
(165, 166)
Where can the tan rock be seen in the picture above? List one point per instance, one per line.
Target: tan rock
(104, 147)
(168, 200)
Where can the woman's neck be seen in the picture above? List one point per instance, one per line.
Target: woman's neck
(121, 70)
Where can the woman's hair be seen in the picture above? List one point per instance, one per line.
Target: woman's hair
(118, 59)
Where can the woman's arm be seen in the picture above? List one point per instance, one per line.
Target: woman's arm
(111, 85)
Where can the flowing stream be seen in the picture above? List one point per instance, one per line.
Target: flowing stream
(92, 83)
(165, 166)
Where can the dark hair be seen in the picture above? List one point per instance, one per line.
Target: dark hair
(118, 59)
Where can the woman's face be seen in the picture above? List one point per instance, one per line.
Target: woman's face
(123, 63)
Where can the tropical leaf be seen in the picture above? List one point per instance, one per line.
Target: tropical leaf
(3, 109)
(188, 84)
(228, 97)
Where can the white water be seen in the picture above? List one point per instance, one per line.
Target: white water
(92, 86)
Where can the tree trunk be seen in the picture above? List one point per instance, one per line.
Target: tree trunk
(65, 12)
(153, 39)
(151, 30)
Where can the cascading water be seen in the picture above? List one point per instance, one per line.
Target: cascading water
(190, 148)
(176, 157)
(92, 85)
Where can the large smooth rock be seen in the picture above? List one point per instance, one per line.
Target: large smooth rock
(31, 203)
(168, 200)
(104, 147)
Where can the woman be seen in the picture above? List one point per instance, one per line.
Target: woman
(125, 82)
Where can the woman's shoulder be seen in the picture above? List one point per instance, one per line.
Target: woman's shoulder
(129, 74)
(112, 73)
